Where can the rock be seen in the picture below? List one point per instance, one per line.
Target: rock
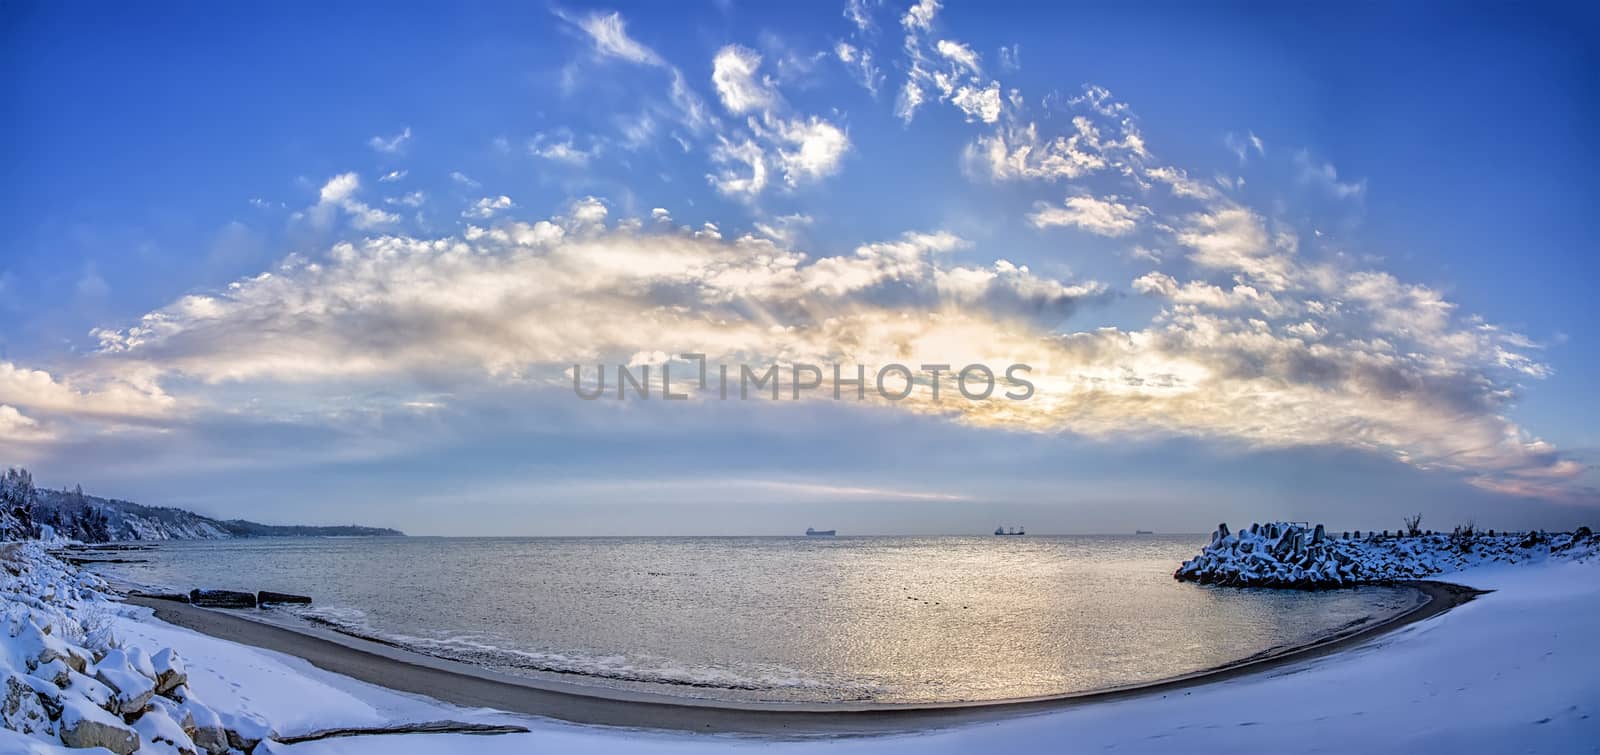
(57, 671)
(37, 646)
(222, 598)
(176, 597)
(156, 727)
(25, 709)
(246, 730)
(96, 692)
(84, 725)
(119, 670)
(264, 597)
(175, 710)
(170, 671)
(204, 726)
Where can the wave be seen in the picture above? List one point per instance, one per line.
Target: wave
(483, 651)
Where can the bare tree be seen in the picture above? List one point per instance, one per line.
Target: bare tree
(1413, 525)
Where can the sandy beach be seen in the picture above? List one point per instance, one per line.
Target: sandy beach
(465, 685)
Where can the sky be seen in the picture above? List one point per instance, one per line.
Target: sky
(331, 265)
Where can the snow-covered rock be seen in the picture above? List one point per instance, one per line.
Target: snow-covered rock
(156, 727)
(65, 680)
(131, 688)
(84, 724)
(169, 669)
(1296, 556)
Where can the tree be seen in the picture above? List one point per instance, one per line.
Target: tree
(17, 496)
(1413, 525)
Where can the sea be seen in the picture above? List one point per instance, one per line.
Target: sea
(783, 619)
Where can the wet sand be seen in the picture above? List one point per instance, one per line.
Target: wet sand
(470, 686)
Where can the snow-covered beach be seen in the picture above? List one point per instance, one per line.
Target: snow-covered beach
(1513, 670)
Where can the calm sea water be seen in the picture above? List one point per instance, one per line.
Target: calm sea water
(893, 619)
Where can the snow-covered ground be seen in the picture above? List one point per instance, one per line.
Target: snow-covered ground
(1517, 670)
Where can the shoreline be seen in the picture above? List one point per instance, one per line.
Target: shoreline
(465, 685)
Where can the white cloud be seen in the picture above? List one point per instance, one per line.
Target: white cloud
(742, 89)
(814, 149)
(744, 184)
(783, 229)
(487, 207)
(860, 14)
(1012, 153)
(127, 396)
(979, 104)
(559, 149)
(1105, 217)
(919, 17)
(391, 145)
(16, 427)
(464, 180)
(524, 301)
(609, 34)
(860, 63)
(392, 176)
(413, 199)
(959, 54)
(339, 194)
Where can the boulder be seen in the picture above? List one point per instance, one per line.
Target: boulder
(156, 726)
(264, 597)
(84, 725)
(222, 598)
(170, 671)
(82, 685)
(131, 688)
(202, 724)
(57, 671)
(24, 708)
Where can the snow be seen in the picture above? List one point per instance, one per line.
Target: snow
(1515, 670)
(1290, 555)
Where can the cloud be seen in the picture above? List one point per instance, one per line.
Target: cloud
(609, 34)
(1105, 217)
(413, 199)
(803, 149)
(734, 72)
(487, 206)
(392, 176)
(464, 180)
(747, 183)
(812, 149)
(1243, 146)
(391, 145)
(15, 427)
(960, 54)
(339, 194)
(860, 63)
(559, 149)
(1014, 152)
(111, 396)
(947, 68)
(1011, 58)
(978, 104)
(860, 14)
(919, 17)
(1325, 176)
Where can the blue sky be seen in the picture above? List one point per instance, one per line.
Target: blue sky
(331, 265)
